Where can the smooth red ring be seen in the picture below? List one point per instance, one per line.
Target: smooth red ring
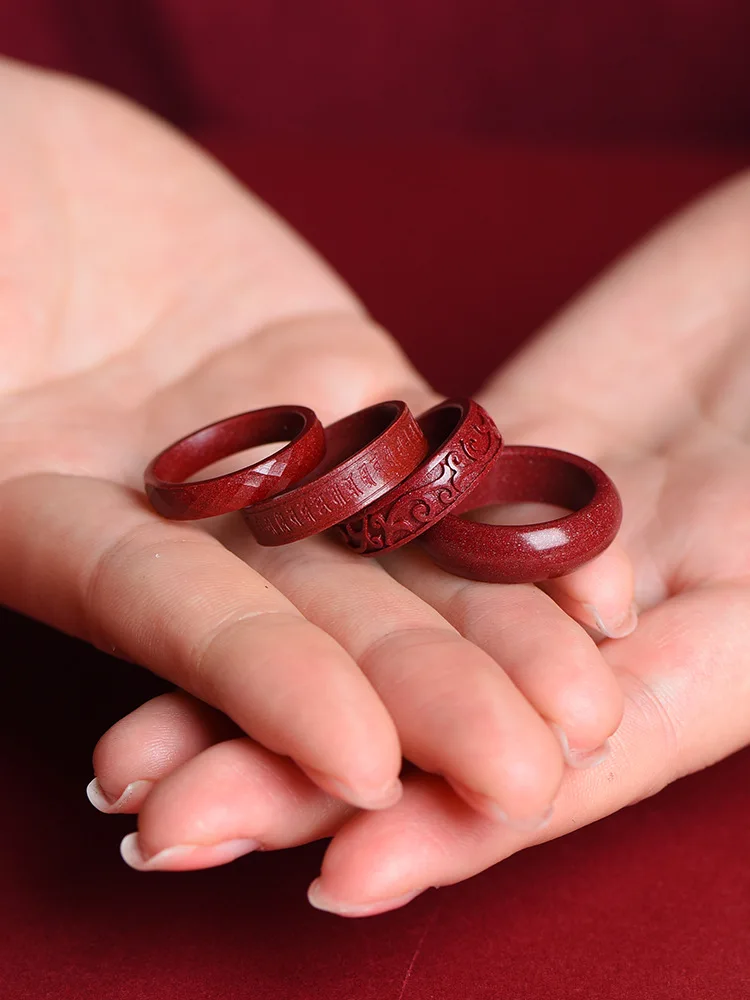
(367, 454)
(175, 498)
(533, 552)
(464, 443)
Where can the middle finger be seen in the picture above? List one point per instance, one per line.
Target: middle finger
(457, 714)
(547, 655)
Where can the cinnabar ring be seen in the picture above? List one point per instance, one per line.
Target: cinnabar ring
(530, 553)
(367, 454)
(165, 476)
(464, 443)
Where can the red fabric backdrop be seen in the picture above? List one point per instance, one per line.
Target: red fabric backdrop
(653, 903)
(663, 70)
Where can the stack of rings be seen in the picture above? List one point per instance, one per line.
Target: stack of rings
(382, 479)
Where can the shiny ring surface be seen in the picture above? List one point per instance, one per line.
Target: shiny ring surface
(173, 497)
(367, 454)
(530, 553)
(464, 443)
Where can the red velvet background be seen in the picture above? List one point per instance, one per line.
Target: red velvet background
(620, 70)
(403, 138)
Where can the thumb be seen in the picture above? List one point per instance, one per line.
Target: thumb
(623, 365)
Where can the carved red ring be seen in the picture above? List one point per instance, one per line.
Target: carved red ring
(165, 476)
(464, 443)
(533, 552)
(367, 454)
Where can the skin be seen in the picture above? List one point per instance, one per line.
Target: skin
(143, 293)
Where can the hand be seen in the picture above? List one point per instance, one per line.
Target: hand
(143, 294)
(649, 373)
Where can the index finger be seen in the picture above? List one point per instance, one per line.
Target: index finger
(90, 558)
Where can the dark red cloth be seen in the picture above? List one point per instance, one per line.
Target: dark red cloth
(663, 70)
(454, 231)
(483, 241)
(651, 904)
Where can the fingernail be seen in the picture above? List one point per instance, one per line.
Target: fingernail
(382, 798)
(580, 759)
(493, 810)
(183, 857)
(530, 825)
(317, 898)
(106, 804)
(614, 628)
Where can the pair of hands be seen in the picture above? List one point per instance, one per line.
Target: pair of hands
(142, 294)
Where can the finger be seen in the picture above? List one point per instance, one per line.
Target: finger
(686, 664)
(336, 362)
(599, 594)
(456, 713)
(148, 744)
(547, 656)
(233, 798)
(90, 558)
(643, 352)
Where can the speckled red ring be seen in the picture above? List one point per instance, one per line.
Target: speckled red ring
(165, 476)
(464, 443)
(530, 553)
(367, 454)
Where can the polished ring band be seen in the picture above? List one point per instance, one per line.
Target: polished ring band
(367, 454)
(533, 552)
(464, 443)
(173, 497)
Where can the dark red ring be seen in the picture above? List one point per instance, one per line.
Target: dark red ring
(464, 443)
(367, 454)
(165, 476)
(500, 553)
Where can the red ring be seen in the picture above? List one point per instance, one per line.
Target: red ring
(165, 476)
(464, 443)
(367, 454)
(504, 553)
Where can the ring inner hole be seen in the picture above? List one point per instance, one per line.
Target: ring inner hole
(240, 442)
(437, 427)
(529, 490)
(351, 434)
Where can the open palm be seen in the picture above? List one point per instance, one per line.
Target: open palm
(649, 372)
(144, 293)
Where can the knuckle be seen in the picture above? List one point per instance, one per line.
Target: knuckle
(648, 712)
(404, 649)
(105, 584)
(208, 662)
